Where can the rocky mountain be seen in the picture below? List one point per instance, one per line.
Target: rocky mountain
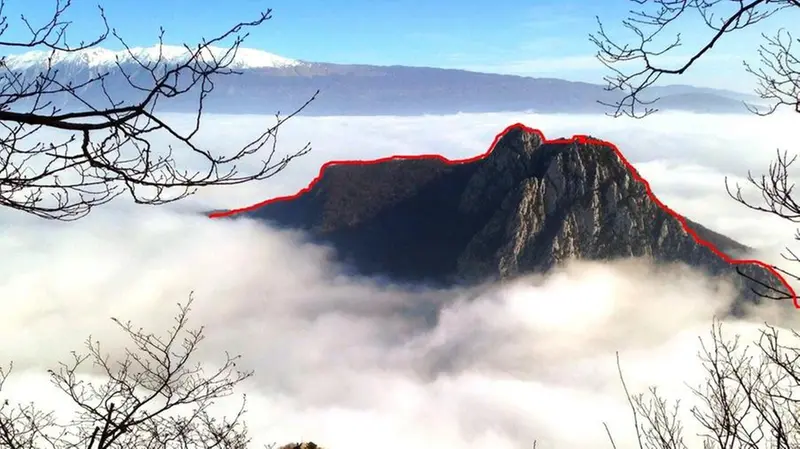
(527, 206)
(304, 445)
(267, 83)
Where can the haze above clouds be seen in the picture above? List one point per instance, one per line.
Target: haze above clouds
(352, 364)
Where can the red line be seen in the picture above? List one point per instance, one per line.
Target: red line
(581, 139)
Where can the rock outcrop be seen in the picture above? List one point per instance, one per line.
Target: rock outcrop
(526, 207)
(304, 445)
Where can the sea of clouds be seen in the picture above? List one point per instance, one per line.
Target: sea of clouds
(351, 363)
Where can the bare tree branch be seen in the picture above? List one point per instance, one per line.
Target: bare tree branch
(776, 190)
(155, 395)
(635, 66)
(109, 148)
(747, 400)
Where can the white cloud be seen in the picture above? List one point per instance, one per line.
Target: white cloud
(348, 362)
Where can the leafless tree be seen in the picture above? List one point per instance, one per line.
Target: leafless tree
(749, 398)
(152, 395)
(636, 65)
(108, 146)
(776, 190)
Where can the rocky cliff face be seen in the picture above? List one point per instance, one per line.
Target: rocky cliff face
(526, 207)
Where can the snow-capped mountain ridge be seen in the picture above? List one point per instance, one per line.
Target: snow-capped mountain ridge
(268, 83)
(98, 57)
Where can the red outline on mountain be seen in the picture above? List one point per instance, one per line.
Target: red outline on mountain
(581, 139)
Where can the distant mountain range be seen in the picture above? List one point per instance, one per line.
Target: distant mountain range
(270, 83)
(525, 208)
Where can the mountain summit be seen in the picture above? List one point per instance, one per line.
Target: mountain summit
(525, 207)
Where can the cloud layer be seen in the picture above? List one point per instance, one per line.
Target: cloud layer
(351, 363)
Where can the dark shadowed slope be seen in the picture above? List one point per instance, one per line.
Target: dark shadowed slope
(523, 208)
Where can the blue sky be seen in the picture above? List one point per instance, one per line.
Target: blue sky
(525, 37)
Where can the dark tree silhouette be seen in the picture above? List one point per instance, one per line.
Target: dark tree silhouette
(152, 394)
(747, 400)
(108, 146)
(635, 67)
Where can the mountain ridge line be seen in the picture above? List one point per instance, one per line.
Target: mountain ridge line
(580, 139)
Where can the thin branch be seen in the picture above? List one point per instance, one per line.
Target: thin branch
(109, 148)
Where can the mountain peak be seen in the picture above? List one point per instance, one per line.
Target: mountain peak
(514, 149)
(99, 57)
(520, 146)
(526, 206)
(521, 153)
(519, 139)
